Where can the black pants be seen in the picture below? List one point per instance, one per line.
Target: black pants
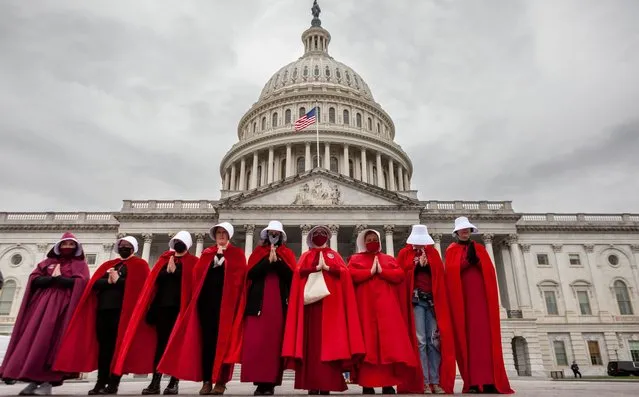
(165, 322)
(576, 372)
(106, 324)
(209, 315)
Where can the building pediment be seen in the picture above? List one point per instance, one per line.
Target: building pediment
(319, 188)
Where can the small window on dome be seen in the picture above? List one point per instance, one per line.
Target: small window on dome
(347, 118)
(274, 121)
(295, 74)
(359, 120)
(302, 111)
(327, 72)
(305, 73)
(338, 74)
(287, 117)
(370, 124)
(254, 127)
(316, 71)
(348, 77)
(331, 115)
(263, 123)
(379, 128)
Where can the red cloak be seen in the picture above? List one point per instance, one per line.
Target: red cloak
(261, 251)
(340, 320)
(140, 339)
(79, 346)
(414, 380)
(454, 258)
(389, 351)
(182, 357)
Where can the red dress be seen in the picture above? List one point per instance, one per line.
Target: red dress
(389, 352)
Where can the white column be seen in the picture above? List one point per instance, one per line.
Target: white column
(263, 177)
(327, 156)
(635, 267)
(391, 175)
(334, 231)
(289, 160)
(233, 181)
(400, 178)
(438, 243)
(226, 180)
(307, 158)
(406, 181)
(305, 229)
(199, 244)
(345, 169)
(488, 243)
(254, 171)
(569, 303)
(380, 171)
(146, 249)
(242, 174)
(248, 243)
(520, 273)
(270, 165)
(388, 230)
(364, 169)
(511, 287)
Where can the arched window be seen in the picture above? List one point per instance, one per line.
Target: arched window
(623, 298)
(302, 111)
(386, 181)
(347, 117)
(375, 180)
(370, 124)
(301, 164)
(274, 121)
(7, 296)
(379, 128)
(351, 168)
(283, 169)
(254, 127)
(263, 123)
(359, 120)
(334, 164)
(331, 115)
(259, 175)
(287, 117)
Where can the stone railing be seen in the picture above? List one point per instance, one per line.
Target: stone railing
(476, 206)
(56, 217)
(168, 205)
(578, 218)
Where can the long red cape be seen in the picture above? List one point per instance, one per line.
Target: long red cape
(182, 357)
(140, 339)
(455, 293)
(285, 253)
(414, 380)
(385, 328)
(79, 346)
(340, 321)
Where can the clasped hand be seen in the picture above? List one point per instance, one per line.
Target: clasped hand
(377, 268)
(170, 268)
(272, 256)
(423, 260)
(114, 276)
(322, 264)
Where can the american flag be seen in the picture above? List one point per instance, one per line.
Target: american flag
(306, 120)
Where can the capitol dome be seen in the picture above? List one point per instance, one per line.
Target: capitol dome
(356, 135)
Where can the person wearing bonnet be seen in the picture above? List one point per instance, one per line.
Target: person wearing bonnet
(378, 286)
(471, 284)
(206, 341)
(166, 294)
(322, 337)
(268, 284)
(98, 326)
(52, 293)
(426, 306)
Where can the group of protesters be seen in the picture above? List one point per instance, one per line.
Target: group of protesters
(396, 324)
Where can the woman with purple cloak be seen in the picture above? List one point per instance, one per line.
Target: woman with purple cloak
(51, 295)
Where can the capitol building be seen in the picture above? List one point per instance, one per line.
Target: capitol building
(568, 283)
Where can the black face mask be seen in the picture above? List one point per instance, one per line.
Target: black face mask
(125, 252)
(179, 246)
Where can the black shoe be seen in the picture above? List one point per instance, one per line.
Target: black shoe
(490, 389)
(324, 393)
(368, 390)
(313, 392)
(173, 387)
(388, 390)
(154, 387)
(473, 390)
(110, 389)
(97, 389)
(259, 391)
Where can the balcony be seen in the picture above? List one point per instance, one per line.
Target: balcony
(168, 206)
(469, 206)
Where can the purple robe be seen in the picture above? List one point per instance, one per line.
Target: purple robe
(41, 322)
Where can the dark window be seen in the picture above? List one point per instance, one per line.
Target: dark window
(331, 115)
(347, 117)
(287, 117)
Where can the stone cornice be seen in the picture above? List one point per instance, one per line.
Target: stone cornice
(320, 208)
(60, 227)
(582, 228)
(426, 216)
(165, 217)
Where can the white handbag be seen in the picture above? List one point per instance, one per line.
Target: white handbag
(315, 288)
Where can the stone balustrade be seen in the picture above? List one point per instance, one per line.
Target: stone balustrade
(57, 217)
(578, 218)
(168, 205)
(469, 206)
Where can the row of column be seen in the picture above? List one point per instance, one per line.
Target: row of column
(232, 180)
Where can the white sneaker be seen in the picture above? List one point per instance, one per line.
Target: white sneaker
(438, 390)
(427, 389)
(43, 390)
(29, 390)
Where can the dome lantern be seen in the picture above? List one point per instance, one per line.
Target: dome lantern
(316, 38)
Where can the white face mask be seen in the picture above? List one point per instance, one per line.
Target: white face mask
(273, 239)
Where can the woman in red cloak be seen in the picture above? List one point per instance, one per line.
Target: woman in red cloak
(323, 337)
(268, 285)
(471, 285)
(426, 307)
(206, 341)
(378, 282)
(166, 294)
(97, 327)
(52, 293)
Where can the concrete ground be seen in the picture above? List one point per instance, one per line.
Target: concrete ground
(530, 387)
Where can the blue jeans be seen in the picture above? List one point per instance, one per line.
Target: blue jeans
(427, 341)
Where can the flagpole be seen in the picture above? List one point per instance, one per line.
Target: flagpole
(317, 132)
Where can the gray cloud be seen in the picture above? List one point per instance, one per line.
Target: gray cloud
(530, 101)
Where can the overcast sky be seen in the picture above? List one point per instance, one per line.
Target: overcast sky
(531, 101)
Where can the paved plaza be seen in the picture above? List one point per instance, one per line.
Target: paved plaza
(531, 387)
